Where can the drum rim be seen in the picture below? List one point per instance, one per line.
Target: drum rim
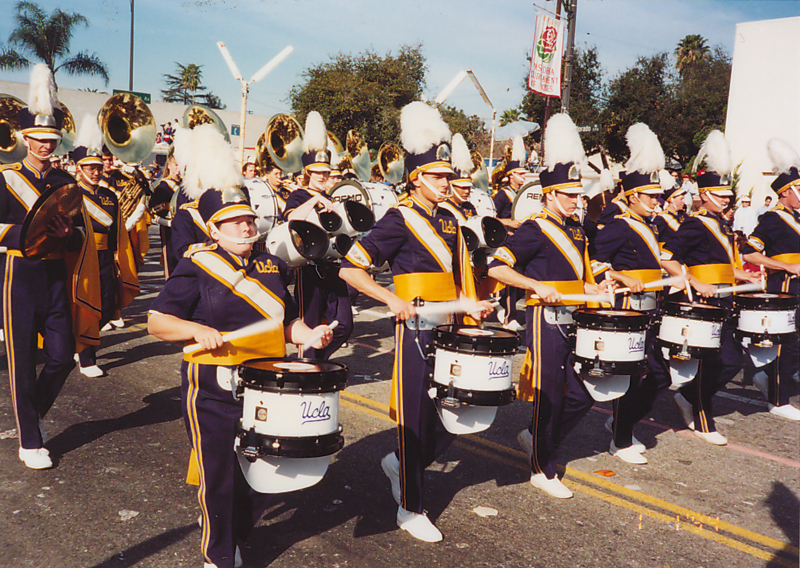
(480, 344)
(316, 382)
(694, 311)
(324, 444)
(614, 367)
(776, 302)
(693, 350)
(472, 397)
(757, 337)
(640, 321)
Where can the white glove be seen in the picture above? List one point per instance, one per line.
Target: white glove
(135, 216)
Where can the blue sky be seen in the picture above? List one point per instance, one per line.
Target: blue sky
(491, 37)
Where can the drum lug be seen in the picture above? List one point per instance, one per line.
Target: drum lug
(684, 354)
(596, 371)
(249, 448)
(450, 401)
(766, 343)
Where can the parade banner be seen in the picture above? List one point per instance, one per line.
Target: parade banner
(544, 76)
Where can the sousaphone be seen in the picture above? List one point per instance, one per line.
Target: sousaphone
(358, 155)
(480, 175)
(11, 147)
(128, 126)
(391, 162)
(283, 139)
(196, 115)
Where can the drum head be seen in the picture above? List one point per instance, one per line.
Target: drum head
(280, 475)
(703, 312)
(475, 339)
(467, 419)
(297, 375)
(765, 301)
(529, 201)
(350, 190)
(65, 200)
(616, 320)
(264, 203)
(484, 206)
(606, 388)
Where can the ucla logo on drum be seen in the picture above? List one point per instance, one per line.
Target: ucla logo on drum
(635, 344)
(311, 413)
(716, 331)
(499, 369)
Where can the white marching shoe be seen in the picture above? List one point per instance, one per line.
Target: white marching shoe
(687, 412)
(784, 411)
(636, 444)
(552, 487)
(712, 437)
(107, 327)
(391, 467)
(92, 371)
(37, 458)
(629, 454)
(514, 325)
(525, 439)
(418, 525)
(118, 322)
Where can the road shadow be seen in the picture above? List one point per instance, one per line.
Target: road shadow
(785, 508)
(133, 555)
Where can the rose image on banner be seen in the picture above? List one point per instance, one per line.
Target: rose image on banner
(544, 76)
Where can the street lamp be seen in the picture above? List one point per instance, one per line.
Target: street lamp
(260, 74)
(451, 86)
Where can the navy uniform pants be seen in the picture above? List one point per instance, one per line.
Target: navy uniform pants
(421, 435)
(109, 286)
(560, 400)
(714, 372)
(230, 507)
(36, 301)
(322, 295)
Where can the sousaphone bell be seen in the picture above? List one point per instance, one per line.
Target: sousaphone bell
(128, 126)
(283, 139)
(196, 115)
(11, 147)
(391, 162)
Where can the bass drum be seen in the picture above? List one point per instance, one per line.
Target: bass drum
(264, 203)
(377, 196)
(529, 201)
(483, 203)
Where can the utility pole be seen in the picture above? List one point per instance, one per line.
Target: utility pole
(571, 8)
(130, 66)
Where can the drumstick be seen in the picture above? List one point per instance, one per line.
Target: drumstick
(739, 288)
(253, 329)
(462, 306)
(763, 278)
(688, 287)
(314, 338)
(582, 298)
(663, 282)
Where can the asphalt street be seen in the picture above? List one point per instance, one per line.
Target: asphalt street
(118, 497)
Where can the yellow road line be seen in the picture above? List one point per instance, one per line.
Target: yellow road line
(473, 443)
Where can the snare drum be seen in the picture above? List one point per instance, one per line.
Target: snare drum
(290, 421)
(484, 206)
(766, 319)
(609, 348)
(265, 204)
(471, 374)
(691, 330)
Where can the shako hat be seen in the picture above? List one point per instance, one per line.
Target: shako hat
(462, 161)
(88, 143)
(645, 162)
(426, 140)
(316, 157)
(716, 154)
(563, 156)
(514, 165)
(43, 118)
(785, 163)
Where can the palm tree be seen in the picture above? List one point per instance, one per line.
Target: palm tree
(690, 50)
(190, 77)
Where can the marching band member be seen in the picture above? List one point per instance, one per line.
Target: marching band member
(160, 208)
(616, 206)
(273, 175)
(628, 244)
(704, 244)
(217, 288)
(549, 257)
(36, 293)
(321, 293)
(118, 282)
(674, 211)
(429, 262)
(503, 201)
(457, 204)
(775, 244)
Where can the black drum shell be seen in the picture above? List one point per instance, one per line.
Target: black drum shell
(501, 342)
(475, 397)
(603, 318)
(260, 445)
(613, 367)
(765, 301)
(701, 312)
(263, 375)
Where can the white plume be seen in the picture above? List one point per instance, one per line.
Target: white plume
(782, 155)
(562, 142)
(646, 153)
(335, 158)
(89, 134)
(665, 180)
(315, 137)
(518, 150)
(422, 127)
(716, 153)
(207, 159)
(606, 180)
(42, 98)
(460, 156)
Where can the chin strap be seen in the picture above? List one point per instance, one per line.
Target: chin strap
(561, 209)
(439, 195)
(713, 200)
(796, 193)
(234, 240)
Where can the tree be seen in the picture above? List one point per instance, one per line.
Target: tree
(185, 87)
(584, 98)
(363, 92)
(690, 50)
(509, 116)
(47, 38)
(471, 127)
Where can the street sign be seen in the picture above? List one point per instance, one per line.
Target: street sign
(144, 96)
(235, 130)
(589, 128)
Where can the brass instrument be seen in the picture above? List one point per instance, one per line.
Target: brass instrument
(129, 132)
(11, 147)
(68, 132)
(284, 142)
(480, 175)
(196, 115)
(337, 145)
(391, 162)
(358, 156)
(499, 171)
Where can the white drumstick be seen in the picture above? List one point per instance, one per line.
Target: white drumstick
(656, 284)
(462, 306)
(739, 288)
(314, 338)
(763, 278)
(582, 298)
(253, 329)
(688, 287)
